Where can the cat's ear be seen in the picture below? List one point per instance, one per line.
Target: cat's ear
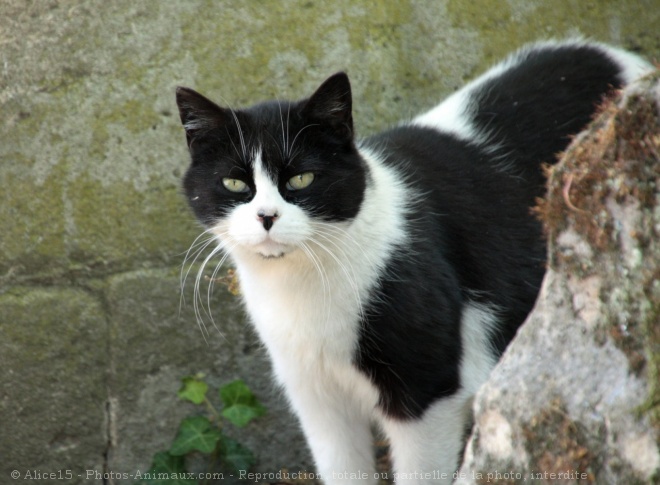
(332, 104)
(198, 114)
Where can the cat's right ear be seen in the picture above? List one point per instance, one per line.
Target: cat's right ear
(198, 114)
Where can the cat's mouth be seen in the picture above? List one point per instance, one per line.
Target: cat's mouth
(272, 256)
(270, 249)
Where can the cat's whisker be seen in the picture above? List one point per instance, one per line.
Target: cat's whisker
(193, 253)
(341, 235)
(293, 154)
(317, 265)
(199, 307)
(285, 133)
(288, 148)
(325, 282)
(344, 242)
(350, 275)
(197, 296)
(200, 248)
(281, 149)
(240, 135)
(195, 243)
(211, 284)
(244, 151)
(235, 148)
(298, 134)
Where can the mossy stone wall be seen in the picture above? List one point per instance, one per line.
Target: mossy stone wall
(93, 225)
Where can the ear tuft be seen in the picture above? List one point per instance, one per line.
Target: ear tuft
(332, 104)
(198, 114)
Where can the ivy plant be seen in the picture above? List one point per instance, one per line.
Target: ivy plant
(204, 433)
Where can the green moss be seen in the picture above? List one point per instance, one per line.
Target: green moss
(232, 52)
(62, 215)
(506, 24)
(502, 33)
(31, 220)
(136, 115)
(45, 325)
(146, 224)
(267, 59)
(85, 225)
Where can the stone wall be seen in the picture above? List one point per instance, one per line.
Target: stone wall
(93, 227)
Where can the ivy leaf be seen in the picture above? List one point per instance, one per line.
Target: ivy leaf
(166, 470)
(193, 389)
(240, 404)
(235, 455)
(195, 433)
(240, 415)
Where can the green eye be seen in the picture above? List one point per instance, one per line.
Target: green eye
(300, 181)
(234, 185)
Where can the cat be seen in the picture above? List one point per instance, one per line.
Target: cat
(386, 276)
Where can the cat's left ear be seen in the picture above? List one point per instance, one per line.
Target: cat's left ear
(332, 104)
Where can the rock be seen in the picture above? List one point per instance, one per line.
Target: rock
(576, 397)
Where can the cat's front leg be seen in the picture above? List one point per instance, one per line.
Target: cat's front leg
(337, 427)
(426, 450)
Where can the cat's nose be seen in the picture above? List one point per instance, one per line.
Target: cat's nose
(267, 219)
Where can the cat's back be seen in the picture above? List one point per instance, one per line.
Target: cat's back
(478, 156)
(475, 164)
(524, 110)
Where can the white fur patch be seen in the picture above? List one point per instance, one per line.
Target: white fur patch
(433, 443)
(306, 307)
(477, 325)
(429, 446)
(451, 116)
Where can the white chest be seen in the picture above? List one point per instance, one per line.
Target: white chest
(308, 320)
(301, 308)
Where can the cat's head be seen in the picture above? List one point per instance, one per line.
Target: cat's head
(264, 177)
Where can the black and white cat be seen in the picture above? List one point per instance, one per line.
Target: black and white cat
(386, 276)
